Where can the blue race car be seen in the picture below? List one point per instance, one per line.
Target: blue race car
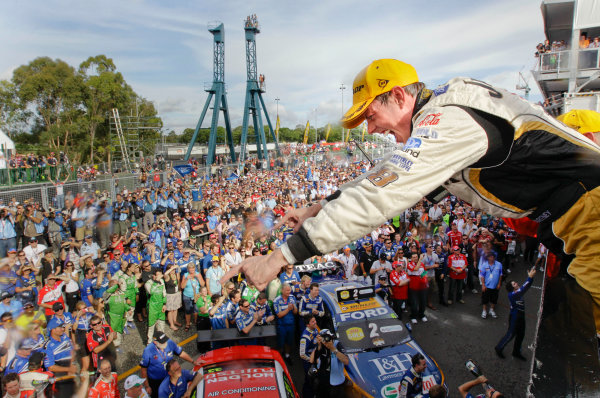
(379, 346)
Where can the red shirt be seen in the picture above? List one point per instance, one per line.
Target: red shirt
(457, 261)
(105, 389)
(417, 275)
(455, 238)
(95, 339)
(48, 295)
(399, 292)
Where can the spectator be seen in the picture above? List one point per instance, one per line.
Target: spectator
(190, 286)
(312, 303)
(457, 264)
(34, 251)
(99, 340)
(51, 293)
(490, 274)
(11, 385)
(134, 387)
(417, 288)
(153, 371)
(20, 362)
(59, 361)
(490, 392)
(8, 233)
(106, 385)
(308, 343)
(246, 319)
(285, 308)
(119, 309)
(157, 300)
(214, 275)
(179, 382)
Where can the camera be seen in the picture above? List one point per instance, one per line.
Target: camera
(326, 335)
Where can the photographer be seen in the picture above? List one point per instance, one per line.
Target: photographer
(8, 233)
(489, 390)
(330, 365)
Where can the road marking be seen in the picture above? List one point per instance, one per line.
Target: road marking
(137, 367)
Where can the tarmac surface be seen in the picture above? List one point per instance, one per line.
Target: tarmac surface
(453, 335)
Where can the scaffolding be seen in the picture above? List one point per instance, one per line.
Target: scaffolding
(125, 133)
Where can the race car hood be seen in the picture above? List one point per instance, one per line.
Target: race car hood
(380, 373)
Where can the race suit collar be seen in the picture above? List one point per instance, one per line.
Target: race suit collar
(422, 98)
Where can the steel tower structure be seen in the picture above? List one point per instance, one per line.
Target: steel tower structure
(254, 103)
(217, 89)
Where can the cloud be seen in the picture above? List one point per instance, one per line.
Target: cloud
(305, 50)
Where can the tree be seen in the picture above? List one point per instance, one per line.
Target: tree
(104, 89)
(50, 94)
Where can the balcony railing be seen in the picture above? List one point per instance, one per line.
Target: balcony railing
(559, 61)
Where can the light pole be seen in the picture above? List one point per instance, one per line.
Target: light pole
(342, 88)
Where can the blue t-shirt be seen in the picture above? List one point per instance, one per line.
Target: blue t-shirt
(17, 365)
(219, 319)
(56, 321)
(169, 390)
(285, 278)
(243, 320)
(87, 289)
(155, 360)
(98, 292)
(491, 274)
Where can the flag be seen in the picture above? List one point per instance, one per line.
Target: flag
(305, 140)
(184, 169)
(277, 129)
(327, 131)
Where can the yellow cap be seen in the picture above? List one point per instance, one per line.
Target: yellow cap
(215, 258)
(379, 77)
(582, 120)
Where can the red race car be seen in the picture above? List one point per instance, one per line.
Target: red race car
(245, 371)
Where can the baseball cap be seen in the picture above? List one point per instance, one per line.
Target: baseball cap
(133, 245)
(215, 258)
(88, 236)
(12, 250)
(346, 247)
(134, 224)
(455, 247)
(133, 381)
(28, 304)
(377, 78)
(160, 337)
(57, 307)
(5, 295)
(582, 120)
(33, 239)
(26, 344)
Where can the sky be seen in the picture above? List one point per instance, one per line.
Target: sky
(306, 50)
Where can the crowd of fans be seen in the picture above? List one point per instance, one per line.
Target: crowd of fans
(76, 278)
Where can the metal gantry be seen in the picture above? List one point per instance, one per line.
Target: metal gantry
(254, 104)
(216, 90)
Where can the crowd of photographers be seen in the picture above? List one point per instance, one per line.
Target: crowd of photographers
(77, 278)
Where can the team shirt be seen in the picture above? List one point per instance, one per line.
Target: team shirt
(458, 261)
(178, 390)
(307, 304)
(58, 352)
(279, 304)
(308, 343)
(219, 319)
(155, 360)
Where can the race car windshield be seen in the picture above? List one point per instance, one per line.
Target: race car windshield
(371, 333)
(247, 378)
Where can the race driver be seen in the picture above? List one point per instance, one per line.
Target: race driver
(483, 144)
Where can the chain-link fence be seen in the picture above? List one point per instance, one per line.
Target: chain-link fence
(49, 195)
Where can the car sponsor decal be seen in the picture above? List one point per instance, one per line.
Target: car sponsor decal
(357, 315)
(355, 334)
(440, 90)
(430, 120)
(360, 306)
(391, 366)
(427, 133)
(401, 162)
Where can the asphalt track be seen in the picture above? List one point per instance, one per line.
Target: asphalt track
(453, 335)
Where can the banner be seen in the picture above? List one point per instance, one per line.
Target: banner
(327, 131)
(184, 169)
(277, 129)
(305, 139)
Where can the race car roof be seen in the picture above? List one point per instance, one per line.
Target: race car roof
(360, 296)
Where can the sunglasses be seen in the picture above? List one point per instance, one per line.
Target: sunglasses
(95, 324)
(246, 306)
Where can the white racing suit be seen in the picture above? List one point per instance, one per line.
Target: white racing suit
(492, 149)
